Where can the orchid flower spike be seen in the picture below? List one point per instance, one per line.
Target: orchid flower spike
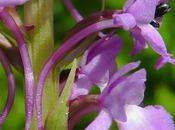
(121, 89)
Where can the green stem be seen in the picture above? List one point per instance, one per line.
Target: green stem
(39, 13)
(103, 5)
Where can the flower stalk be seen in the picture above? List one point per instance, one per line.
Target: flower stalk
(39, 14)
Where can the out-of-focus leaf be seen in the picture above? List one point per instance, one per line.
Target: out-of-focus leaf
(166, 98)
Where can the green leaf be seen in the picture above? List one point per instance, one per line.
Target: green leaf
(166, 98)
(57, 119)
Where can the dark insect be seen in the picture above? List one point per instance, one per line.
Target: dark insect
(155, 23)
(161, 10)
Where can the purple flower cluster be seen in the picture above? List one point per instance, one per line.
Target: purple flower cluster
(121, 89)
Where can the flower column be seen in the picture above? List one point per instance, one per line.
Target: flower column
(39, 20)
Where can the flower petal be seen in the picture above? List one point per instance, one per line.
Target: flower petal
(126, 20)
(162, 61)
(100, 59)
(81, 87)
(163, 1)
(128, 4)
(148, 118)
(139, 41)
(87, 55)
(12, 2)
(143, 10)
(113, 69)
(155, 40)
(124, 70)
(127, 90)
(108, 75)
(102, 122)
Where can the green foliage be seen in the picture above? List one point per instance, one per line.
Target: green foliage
(58, 117)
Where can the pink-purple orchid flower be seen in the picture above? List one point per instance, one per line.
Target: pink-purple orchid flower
(143, 12)
(121, 99)
(121, 89)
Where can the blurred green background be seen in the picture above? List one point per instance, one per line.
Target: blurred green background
(160, 84)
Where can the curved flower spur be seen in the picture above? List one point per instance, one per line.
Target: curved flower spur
(11, 87)
(28, 72)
